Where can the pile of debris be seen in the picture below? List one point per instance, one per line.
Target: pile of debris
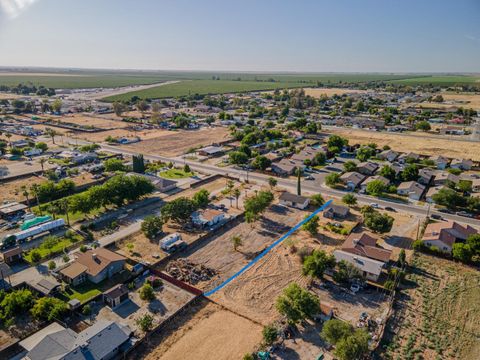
(188, 272)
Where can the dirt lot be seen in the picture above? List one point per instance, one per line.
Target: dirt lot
(438, 314)
(218, 253)
(332, 91)
(415, 143)
(458, 100)
(168, 300)
(90, 120)
(173, 143)
(206, 331)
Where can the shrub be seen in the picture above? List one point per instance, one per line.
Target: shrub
(270, 334)
(146, 292)
(51, 265)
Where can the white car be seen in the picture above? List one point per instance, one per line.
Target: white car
(355, 288)
(375, 205)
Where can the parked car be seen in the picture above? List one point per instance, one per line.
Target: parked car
(436, 217)
(375, 205)
(464, 214)
(388, 208)
(309, 177)
(445, 210)
(355, 288)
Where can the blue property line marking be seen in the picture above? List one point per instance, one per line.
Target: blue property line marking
(267, 250)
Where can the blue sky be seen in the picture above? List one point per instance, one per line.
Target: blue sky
(246, 35)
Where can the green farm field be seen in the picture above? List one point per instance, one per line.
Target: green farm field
(446, 80)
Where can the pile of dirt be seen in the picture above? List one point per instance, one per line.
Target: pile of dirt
(189, 272)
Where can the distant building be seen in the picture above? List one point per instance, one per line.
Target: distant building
(352, 179)
(207, 217)
(295, 201)
(444, 234)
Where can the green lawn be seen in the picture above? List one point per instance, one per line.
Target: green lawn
(55, 249)
(176, 174)
(74, 217)
(89, 290)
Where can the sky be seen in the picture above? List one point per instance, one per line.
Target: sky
(246, 35)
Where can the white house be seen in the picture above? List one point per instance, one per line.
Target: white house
(292, 200)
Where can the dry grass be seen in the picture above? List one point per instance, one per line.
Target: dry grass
(415, 143)
(316, 93)
(174, 143)
(206, 331)
(456, 100)
(90, 120)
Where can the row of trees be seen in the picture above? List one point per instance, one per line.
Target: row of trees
(180, 209)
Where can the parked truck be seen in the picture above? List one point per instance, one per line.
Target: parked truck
(172, 243)
(34, 221)
(22, 236)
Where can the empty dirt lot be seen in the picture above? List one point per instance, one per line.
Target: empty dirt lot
(95, 121)
(218, 253)
(206, 331)
(317, 92)
(431, 145)
(173, 143)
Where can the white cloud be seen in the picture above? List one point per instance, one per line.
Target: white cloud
(13, 8)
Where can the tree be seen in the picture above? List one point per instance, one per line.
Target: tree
(352, 347)
(365, 153)
(388, 172)
(297, 304)
(314, 265)
(449, 198)
(317, 200)
(186, 169)
(423, 125)
(236, 194)
(256, 205)
(311, 225)
(145, 322)
(52, 133)
(349, 166)
(236, 242)
(320, 158)
(272, 182)
(51, 265)
(151, 226)
(270, 334)
(146, 292)
(42, 146)
(138, 164)
(377, 222)
(178, 210)
(335, 143)
(114, 164)
(35, 256)
(142, 106)
(410, 173)
(334, 330)
(48, 308)
(349, 199)
(201, 198)
(462, 252)
(332, 179)
(402, 258)
(56, 105)
(345, 272)
(119, 108)
(261, 162)
(238, 157)
(376, 188)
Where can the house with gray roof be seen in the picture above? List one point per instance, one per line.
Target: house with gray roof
(102, 341)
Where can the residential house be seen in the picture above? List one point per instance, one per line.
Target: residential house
(295, 201)
(361, 250)
(115, 295)
(367, 168)
(444, 234)
(462, 164)
(47, 286)
(476, 185)
(207, 217)
(443, 177)
(285, 167)
(102, 341)
(388, 155)
(13, 256)
(336, 212)
(383, 179)
(440, 161)
(160, 184)
(412, 189)
(407, 157)
(425, 176)
(352, 179)
(211, 151)
(93, 265)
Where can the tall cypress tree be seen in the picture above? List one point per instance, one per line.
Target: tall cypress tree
(138, 164)
(299, 186)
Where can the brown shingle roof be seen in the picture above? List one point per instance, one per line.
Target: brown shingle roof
(73, 270)
(365, 244)
(97, 260)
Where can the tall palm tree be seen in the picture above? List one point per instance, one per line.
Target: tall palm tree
(8, 136)
(236, 193)
(64, 207)
(42, 162)
(52, 133)
(26, 193)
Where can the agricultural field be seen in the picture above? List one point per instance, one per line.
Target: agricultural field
(418, 143)
(438, 314)
(439, 80)
(206, 330)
